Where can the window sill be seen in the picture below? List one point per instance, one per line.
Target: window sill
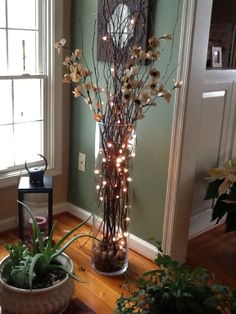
(13, 178)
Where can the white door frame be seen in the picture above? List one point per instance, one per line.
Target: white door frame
(181, 174)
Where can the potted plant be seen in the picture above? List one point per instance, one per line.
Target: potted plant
(38, 278)
(222, 190)
(172, 288)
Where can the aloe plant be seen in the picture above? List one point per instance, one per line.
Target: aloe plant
(29, 267)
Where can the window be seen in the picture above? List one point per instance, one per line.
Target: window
(29, 123)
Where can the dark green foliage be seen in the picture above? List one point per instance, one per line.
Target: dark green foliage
(225, 204)
(212, 190)
(36, 266)
(173, 288)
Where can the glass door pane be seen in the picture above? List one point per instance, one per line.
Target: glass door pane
(222, 38)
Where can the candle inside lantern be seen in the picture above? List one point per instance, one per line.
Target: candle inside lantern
(41, 222)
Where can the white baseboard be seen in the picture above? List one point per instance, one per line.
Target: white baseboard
(8, 223)
(12, 222)
(200, 223)
(137, 244)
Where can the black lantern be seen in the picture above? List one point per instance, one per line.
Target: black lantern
(39, 199)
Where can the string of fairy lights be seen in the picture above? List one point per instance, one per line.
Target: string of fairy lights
(113, 179)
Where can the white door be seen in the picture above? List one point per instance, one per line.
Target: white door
(205, 135)
(216, 139)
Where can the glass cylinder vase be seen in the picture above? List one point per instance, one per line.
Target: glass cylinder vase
(114, 152)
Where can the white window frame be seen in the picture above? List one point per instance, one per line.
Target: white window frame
(53, 113)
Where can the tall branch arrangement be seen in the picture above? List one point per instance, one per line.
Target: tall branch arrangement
(132, 85)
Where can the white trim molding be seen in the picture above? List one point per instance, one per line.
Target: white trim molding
(188, 11)
(201, 222)
(12, 222)
(185, 130)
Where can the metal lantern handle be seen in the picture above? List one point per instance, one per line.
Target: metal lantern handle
(45, 161)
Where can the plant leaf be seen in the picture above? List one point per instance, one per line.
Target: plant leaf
(219, 210)
(44, 264)
(212, 190)
(231, 218)
(37, 234)
(62, 249)
(49, 246)
(59, 243)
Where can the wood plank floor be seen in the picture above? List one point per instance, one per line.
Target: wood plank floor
(216, 251)
(99, 292)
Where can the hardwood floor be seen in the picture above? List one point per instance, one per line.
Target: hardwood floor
(216, 251)
(99, 292)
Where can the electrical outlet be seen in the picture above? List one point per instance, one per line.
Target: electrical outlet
(81, 162)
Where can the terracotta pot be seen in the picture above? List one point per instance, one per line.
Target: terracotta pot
(52, 300)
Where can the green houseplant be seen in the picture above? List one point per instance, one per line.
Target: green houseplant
(222, 190)
(38, 276)
(173, 288)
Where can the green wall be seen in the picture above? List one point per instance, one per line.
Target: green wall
(153, 132)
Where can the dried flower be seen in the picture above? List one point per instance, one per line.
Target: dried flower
(78, 53)
(89, 86)
(143, 55)
(167, 95)
(154, 73)
(60, 45)
(178, 84)
(130, 86)
(135, 52)
(167, 37)
(97, 116)
(67, 78)
(154, 42)
(78, 91)
(153, 55)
